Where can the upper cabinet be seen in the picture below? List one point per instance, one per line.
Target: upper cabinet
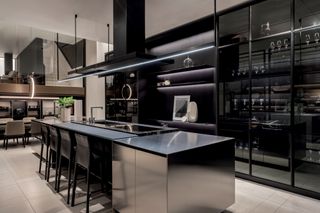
(270, 17)
(307, 13)
(234, 27)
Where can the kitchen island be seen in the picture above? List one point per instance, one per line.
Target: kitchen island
(164, 170)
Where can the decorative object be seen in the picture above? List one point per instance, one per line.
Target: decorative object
(188, 62)
(65, 111)
(272, 46)
(192, 112)
(308, 39)
(265, 29)
(180, 108)
(286, 43)
(164, 83)
(256, 69)
(316, 37)
(126, 92)
(279, 45)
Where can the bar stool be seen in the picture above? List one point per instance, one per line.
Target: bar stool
(67, 151)
(35, 131)
(54, 148)
(45, 140)
(84, 158)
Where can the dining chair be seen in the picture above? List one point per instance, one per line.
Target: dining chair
(14, 130)
(28, 119)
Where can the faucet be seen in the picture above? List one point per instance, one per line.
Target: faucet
(92, 119)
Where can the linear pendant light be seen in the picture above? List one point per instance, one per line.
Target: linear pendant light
(136, 65)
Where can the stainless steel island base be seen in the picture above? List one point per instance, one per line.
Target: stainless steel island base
(173, 173)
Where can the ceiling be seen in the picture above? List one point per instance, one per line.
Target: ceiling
(20, 21)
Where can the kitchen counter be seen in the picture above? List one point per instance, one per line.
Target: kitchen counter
(87, 130)
(170, 143)
(163, 170)
(173, 172)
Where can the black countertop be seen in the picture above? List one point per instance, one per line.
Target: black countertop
(163, 144)
(87, 130)
(170, 143)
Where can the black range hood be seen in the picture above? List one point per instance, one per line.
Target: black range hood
(129, 41)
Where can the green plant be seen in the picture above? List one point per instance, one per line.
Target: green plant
(65, 102)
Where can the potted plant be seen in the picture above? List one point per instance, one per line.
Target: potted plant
(65, 111)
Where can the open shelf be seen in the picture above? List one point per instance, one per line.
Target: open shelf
(208, 128)
(184, 69)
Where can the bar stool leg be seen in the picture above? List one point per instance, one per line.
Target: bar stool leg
(74, 184)
(88, 190)
(59, 176)
(69, 180)
(58, 158)
(46, 170)
(41, 154)
(49, 165)
(7, 143)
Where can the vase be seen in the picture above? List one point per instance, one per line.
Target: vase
(65, 114)
(188, 62)
(192, 112)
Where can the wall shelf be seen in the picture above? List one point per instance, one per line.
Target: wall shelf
(208, 128)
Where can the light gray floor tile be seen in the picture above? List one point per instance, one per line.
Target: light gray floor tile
(26, 191)
(20, 206)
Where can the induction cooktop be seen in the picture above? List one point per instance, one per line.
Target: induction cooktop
(133, 128)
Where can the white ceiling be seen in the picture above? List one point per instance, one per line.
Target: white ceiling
(93, 17)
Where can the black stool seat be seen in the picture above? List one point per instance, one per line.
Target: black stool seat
(45, 140)
(67, 151)
(54, 149)
(85, 158)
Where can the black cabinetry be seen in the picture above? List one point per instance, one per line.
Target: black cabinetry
(269, 68)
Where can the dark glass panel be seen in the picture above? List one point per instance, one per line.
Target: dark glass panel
(270, 132)
(234, 27)
(307, 110)
(307, 13)
(270, 17)
(234, 96)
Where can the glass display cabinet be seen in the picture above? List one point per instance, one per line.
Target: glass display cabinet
(269, 80)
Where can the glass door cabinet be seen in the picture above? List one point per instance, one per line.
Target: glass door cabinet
(269, 80)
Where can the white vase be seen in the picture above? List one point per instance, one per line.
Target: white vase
(65, 114)
(192, 112)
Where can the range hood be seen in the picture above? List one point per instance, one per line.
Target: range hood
(129, 41)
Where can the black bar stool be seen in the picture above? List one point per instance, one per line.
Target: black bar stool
(67, 151)
(85, 158)
(45, 140)
(54, 148)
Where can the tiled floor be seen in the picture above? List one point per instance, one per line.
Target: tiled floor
(23, 190)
